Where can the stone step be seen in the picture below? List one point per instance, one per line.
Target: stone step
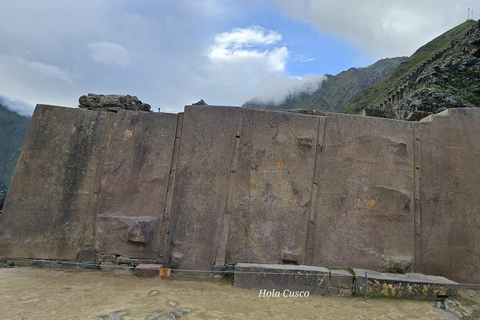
(409, 285)
(148, 270)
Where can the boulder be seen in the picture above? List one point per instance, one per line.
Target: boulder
(112, 103)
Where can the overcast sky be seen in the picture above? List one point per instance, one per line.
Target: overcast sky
(170, 53)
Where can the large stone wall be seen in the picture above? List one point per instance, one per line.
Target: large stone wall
(222, 185)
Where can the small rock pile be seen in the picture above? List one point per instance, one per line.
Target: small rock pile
(112, 103)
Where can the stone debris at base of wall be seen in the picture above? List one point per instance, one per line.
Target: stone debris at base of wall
(112, 102)
(455, 307)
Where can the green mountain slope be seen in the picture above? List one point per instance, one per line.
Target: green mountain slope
(336, 91)
(432, 79)
(13, 129)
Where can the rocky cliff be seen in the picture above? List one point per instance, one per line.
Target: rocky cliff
(443, 74)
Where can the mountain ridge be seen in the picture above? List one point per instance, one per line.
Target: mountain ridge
(335, 92)
(13, 128)
(436, 77)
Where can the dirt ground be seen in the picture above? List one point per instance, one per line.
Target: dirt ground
(29, 293)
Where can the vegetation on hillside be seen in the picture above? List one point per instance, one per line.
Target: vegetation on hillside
(336, 91)
(379, 92)
(13, 129)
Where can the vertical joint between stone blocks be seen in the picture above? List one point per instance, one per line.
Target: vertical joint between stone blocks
(416, 203)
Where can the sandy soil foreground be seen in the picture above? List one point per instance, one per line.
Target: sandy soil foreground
(28, 293)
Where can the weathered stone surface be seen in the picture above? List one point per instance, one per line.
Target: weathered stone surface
(113, 236)
(311, 112)
(148, 270)
(142, 232)
(364, 211)
(50, 196)
(341, 283)
(291, 256)
(410, 285)
(282, 277)
(108, 258)
(123, 260)
(199, 103)
(87, 255)
(108, 266)
(399, 265)
(450, 219)
(19, 262)
(134, 183)
(201, 185)
(136, 262)
(375, 112)
(112, 102)
(272, 172)
(45, 264)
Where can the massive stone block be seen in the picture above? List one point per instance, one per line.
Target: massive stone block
(134, 184)
(201, 186)
(364, 212)
(270, 196)
(450, 212)
(51, 201)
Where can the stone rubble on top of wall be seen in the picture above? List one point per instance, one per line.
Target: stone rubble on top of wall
(112, 102)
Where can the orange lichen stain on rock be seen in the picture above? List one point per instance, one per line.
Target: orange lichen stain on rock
(47, 111)
(371, 203)
(393, 290)
(441, 292)
(320, 282)
(128, 134)
(384, 290)
(424, 291)
(279, 164)
(53, 118)
(369, 290)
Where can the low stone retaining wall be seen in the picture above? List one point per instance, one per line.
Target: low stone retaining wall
(341, 282)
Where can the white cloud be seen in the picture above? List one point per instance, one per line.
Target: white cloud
(17, 105)
(239, 38)
(382, 28)
(248, 54)
(275, 89)
(47, 70)
(110, 53)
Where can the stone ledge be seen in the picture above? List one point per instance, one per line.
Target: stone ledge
(410, 285)
(281, 277)
(148, 270)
